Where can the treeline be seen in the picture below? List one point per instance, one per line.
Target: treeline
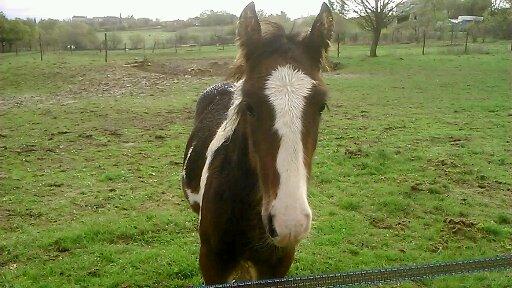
(412, 20)
(81, 33)
(431, 17)
(19, 34)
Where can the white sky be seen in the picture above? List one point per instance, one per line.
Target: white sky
(162, 9)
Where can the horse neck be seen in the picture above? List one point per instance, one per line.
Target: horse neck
(239, 159)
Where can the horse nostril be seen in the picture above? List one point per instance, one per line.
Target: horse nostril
(271, 228)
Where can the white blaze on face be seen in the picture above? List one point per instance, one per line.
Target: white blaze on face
(287, 90)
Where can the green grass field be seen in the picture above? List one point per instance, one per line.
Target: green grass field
(413, 165)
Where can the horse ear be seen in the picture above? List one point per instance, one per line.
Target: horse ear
(321, 33)
(248, 31)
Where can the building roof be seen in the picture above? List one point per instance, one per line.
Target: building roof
(467, 19)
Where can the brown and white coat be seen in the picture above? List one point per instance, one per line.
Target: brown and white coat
(249, 156)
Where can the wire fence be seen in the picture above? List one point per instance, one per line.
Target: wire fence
(387, 275)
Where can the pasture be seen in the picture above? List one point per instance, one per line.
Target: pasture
(412, 165)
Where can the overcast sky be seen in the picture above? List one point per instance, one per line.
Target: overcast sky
(162, 9)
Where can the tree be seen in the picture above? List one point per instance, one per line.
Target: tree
(339, 6)
(3, 29)
(373, 16)
(428, 14)
(476, 7)
(340, 11)
(77, 34)
(181, 37)
(216, 18)
(498, 23)
(114, 40)
(136, 40)
(30, 37)
(16, 32)
(281, 18)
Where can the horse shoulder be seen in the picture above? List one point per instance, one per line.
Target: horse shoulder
(211, 110)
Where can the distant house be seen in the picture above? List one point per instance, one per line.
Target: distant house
(194, 21)
(463, 21)
(79, 19)
(106, 19)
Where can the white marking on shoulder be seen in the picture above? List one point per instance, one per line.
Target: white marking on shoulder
(223, 133)
(186, 160)
(287, 90)
(193, 198)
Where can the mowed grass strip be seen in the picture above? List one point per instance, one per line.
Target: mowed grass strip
(413, 165)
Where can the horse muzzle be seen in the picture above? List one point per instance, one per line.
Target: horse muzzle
(287, 230)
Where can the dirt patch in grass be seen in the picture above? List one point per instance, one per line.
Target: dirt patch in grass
(118, 81)
(355, 152)
(185, 68)
(458, 226)
(383, 223)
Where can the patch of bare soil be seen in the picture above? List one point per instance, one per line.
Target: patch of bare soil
(380, 223)
(136, 77)
(145, 78)
(459, 225)
(116, 81)
(184, 68)
(355, 152)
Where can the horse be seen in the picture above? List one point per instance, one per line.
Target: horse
(249, 156)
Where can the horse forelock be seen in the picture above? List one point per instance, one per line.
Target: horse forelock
(274, 41)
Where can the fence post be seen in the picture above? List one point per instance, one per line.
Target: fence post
(124, 47)
(16, 47)
(40, 46)
(154, 45)
(424, 36)
(466, 45)
(106, 47)
(175, 48)
(338, 40)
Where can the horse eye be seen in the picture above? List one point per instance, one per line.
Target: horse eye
(322, 108)
(250, 110)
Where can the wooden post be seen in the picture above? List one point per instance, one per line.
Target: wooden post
(106, 47)
(40, 46)
(338, 40)
(154, 45)
(424, 38)
(16, 47)
(466, 45)
(124, 47)
(175, 48)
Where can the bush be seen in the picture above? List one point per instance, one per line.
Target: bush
(114, 40)
(136, 41)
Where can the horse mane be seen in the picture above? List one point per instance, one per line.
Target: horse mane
(274, 39)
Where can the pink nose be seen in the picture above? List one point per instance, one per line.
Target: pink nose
(288, 232)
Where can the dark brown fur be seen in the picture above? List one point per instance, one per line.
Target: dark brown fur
(242, 176)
